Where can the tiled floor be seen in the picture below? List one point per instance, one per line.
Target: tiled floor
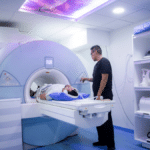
(124, 140)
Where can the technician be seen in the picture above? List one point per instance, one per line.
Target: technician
(102, 86)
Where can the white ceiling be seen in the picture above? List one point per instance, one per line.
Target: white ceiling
(55, 29)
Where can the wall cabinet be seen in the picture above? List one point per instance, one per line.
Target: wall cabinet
(141, 45)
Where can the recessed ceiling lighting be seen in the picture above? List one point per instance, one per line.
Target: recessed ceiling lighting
(66, 9)
(118, 10)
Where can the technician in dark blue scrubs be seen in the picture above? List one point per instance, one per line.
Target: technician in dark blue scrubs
(102, 86)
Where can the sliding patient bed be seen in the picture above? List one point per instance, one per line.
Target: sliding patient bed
(84, 113)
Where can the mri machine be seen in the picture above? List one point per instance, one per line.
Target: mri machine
(49, 122)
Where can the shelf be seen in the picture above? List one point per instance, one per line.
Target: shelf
(142, 61)
(146, 144)
(142, 35)
(142, 139)
(141, 44)
(142, 88)
(143, 114)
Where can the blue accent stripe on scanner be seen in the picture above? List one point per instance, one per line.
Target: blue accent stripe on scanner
(16, 110)
(10, 124)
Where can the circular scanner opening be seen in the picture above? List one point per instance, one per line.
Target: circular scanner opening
(39, 78)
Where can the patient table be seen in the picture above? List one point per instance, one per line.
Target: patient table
(83, 113)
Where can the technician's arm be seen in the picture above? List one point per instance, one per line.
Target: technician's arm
(102, 85)
(88, 79)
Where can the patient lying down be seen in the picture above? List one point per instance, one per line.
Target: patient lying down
(47, 89)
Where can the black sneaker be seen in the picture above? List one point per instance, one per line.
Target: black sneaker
(98, 144)
(111, 148)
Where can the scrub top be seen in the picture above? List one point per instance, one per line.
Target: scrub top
(102, 67)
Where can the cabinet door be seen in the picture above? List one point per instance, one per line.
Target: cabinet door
(10, 124)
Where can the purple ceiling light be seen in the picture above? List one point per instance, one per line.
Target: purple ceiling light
(66, 9)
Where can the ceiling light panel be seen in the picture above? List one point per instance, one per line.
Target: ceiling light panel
(66, 9)
(118, 10)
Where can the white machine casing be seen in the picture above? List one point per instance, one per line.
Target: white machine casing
(48, 62)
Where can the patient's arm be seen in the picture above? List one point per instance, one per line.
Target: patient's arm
(63, 89)
(88, 79)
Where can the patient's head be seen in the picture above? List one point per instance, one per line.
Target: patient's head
(32, 93)
(72, 91)
(69, 88)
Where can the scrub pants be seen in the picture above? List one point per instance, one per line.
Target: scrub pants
(106, 132)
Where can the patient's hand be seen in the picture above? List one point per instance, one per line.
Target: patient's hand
(43, 96)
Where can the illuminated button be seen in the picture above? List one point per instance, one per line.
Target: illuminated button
(49, 62)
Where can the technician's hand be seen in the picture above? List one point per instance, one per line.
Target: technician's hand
(98, 98)
(82, 79)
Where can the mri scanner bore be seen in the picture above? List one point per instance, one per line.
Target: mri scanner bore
(47, 90)
(58, 92)
(40, 62)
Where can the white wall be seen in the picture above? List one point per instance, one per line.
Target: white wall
(119, 52)
(13, 35)
(10, 38)
(120, 55)
(84, 39)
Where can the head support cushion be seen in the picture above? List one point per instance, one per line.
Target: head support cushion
(67, 97)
